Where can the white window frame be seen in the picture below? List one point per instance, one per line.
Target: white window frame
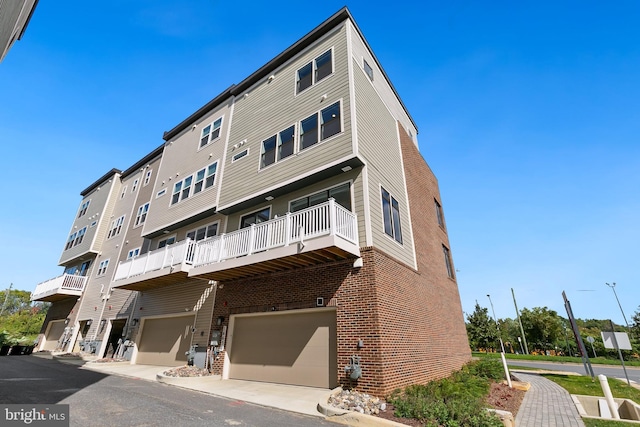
(270, 207)
(161, 193)
(83, 208)
(212, 129)
(115, 227)
(318, 116)
(134, 186)
(239, 156)
(70, 240)
(147, 177)
(205, 227)
(350, 182)
(166, 239)
(395, 234)
(141, 215)
(133, 253)
(124, 192)
(314, 71)
(368, 69)
(102, 268)
(278, 144)
(80, 236)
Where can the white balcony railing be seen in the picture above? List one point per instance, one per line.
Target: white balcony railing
(180, 253)
(328, 218)
(67, 284)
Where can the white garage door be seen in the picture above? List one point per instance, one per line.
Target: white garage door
(164, 341)
(55, 331)
(294, 347)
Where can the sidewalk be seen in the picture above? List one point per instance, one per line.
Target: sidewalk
(546, 404)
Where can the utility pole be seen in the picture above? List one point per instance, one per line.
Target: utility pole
(524, 338)
(497, 326)
(6, 298)
(613, 288)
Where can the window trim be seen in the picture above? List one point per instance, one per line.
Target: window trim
(368, 69)
(270, 207)
(83, 208)
(102, 268)
(133, 253)
(116, 227)
(140, 213)
(314, 71)
(147, 177)
(319, 127)
(395, 234)
(240, 155)
(206, 227)
(349, 181)
(124, 192)
(164, 239)
(134, 186)
(193, 182)
(278, 144)
(213, 128)
(161, 193)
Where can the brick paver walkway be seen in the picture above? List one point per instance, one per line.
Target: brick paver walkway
(546, 404)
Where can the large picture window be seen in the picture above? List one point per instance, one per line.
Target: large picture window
(341, 194)
(257, 217)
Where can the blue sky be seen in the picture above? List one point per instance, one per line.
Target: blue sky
(528, 113)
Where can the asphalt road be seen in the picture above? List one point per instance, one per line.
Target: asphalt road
(608, 370)
(99, 400)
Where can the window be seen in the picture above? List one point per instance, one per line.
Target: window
(439, 213)
(161, 193)
(447, 261)
(80, 236)
(102, 268)
(133, 253)
(203, 232)
(93, 224)
(368, 69)
(124, 191)
(186, 187)
(210, 132)
(176, 192)
(285, 142)
(268, 151)
(255, 218)
(70, 240)
(166, 242)
(147, 177)
(278, 147)
(116, 226)
(83, 208)
(314, 71)
(391, 216)
(211, 175)
(330, 124)
(341, 193)
(239, 155)
(141, 216)
(197, 187)
(134, 187)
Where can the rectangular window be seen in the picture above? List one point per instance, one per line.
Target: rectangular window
(391, 216)
(147, 177)
(141, 216)
(368, 69)
(83, 208)
(341, 194)
(309, 131)
(314, 71)
(211, 175)
(239, 155)
(439, 213)
(331, 123)
(255, 218)
(203, 232)
(133, 253)
(134, 187)
(186, 187)
(124, 191)
(176, 192)
(447, 261)
(116, 226)
(268, 151)
(70, 241)
(161, 193)
(210, 132)
(102, 268)
(197, 187)
(285, 142)
(166, 242)
(93, 224)
(80, 236)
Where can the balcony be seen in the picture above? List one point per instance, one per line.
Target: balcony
(61, 287)
(156, 268)
(316, 235)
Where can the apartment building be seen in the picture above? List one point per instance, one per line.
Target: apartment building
(292, 233)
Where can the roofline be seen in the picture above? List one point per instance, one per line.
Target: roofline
(146, 159)
(264, 71)
(26, 23)
(100, 180)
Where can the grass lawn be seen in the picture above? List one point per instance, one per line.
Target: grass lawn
(561, 359)
(575, 384)
(592, 422)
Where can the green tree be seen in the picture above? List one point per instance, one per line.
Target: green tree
(635, 324)
(543, 328)
(481, 329)
(20, 321)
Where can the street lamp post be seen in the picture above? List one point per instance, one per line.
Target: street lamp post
(496, 320)
(613, 288)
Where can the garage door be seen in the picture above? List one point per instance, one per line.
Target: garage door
(287, 348)
(164, 341)
(56, 329)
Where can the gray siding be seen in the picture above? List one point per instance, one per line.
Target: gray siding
(360, 52)
(379, 146)
(272, 106)
(102, 203)
(182, 157)
(195, 296)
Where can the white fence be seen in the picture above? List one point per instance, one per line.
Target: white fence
(328, 218)
(170, 255)
(66, 284)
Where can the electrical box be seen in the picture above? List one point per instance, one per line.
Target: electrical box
(215, 338)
